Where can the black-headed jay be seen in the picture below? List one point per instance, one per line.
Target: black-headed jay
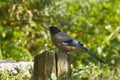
(66, 43)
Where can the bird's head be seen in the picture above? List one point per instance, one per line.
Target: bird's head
(54, 30)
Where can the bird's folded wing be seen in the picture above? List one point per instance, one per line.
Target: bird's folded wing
(62, 37)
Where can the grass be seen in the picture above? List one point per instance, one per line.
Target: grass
(96, 72)
(13, 75)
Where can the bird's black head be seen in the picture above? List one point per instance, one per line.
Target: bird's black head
(54, 30)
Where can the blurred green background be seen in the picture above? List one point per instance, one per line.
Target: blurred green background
(96, 23)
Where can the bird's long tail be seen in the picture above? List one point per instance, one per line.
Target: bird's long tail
(92, 54)
(78, 44)
(95, 56)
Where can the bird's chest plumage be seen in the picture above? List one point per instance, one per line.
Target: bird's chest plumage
(58, 40)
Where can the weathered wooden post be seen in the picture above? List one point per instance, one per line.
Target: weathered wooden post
(50, 62)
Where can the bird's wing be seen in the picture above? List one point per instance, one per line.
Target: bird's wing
(78, 44)
(66, 39)
(74, 42)
(62, 37)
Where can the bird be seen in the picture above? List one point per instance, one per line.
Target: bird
(66, 43)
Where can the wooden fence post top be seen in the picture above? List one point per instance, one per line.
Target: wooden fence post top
(51, 62)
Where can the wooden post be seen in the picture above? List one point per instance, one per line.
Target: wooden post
(63, 66)
(50, 62)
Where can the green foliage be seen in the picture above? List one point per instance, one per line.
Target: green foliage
(93, 72)
(23, 75)
(96, 23)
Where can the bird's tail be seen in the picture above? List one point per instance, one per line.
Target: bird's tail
(92, 54)
(95, 56)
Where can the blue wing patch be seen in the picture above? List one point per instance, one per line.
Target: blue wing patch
(72, 42)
